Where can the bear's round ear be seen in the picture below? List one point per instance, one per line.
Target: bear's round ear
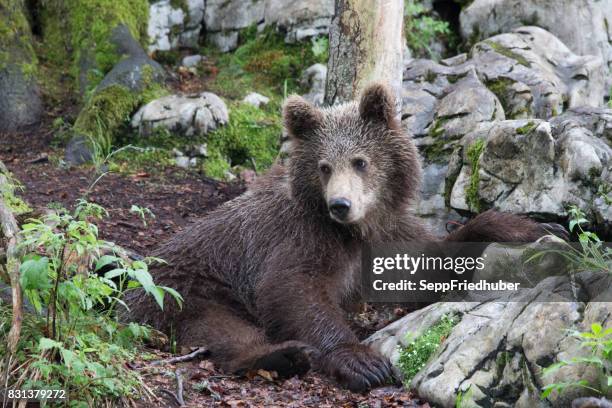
(300, 117)
(378, 105)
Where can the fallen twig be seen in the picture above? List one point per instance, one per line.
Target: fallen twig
(179, 387)
(170, 393)
(180, 359)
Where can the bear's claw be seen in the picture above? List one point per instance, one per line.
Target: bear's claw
(357, 367)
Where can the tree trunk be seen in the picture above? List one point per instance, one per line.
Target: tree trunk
(366, 44)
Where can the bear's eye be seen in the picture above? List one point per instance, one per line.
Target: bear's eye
(360, 164)
(325, 168)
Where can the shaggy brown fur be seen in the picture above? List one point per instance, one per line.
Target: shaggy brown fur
(265, 276)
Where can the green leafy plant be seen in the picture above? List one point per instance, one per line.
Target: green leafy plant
(592, 253)
(142, 212)
(415, 355)
(463, 398)
(599, 342)
(422, 29)
(72, 338)
(320, 48)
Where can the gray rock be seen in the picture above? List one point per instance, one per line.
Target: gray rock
(300, 20)
(539, 168)
(499, 348)
(256, 99)
(20, 102)
(170, 28)
(583, 25)
(297, 20)
(183, 162)
(431, 206)
(78, 151)
(192, 61)
(531, 72)
(188, 115)
(314, 78)
(225, 18)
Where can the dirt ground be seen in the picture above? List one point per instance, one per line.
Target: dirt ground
(177, 197)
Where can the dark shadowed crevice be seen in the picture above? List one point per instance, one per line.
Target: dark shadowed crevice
(449, 10)
(33, 8)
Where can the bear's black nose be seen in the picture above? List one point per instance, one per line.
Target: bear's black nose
(339, 207)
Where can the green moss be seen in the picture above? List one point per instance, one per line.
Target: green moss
(14, 203)
(502, 88)
(109, 110)
(262, 63)
(437, 151)
(436, 129)
(103, 114)
(474, 153)
(418, 352)
(502, 360)
(507, 52)
(250, 139)
(430, 76)
(171, 57)
(77, 31)
(527, 128)
(15, 38)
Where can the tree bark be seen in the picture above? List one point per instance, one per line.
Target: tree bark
(366, 45)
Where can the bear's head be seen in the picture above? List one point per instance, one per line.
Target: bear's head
(353, 161)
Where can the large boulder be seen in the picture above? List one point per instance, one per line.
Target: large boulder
(20, 102)
(500, 346)
(582, 25)
(535, 167)
(133, 80)
(188, 115)
(171, 26)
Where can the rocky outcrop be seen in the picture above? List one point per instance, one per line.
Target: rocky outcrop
(172, 26)
(300, 20)
(582, 25)
(531, 72)
(187, 115)
(20, 103)
(225, 18)
(500, 347)
(535, 167)
(527, 73)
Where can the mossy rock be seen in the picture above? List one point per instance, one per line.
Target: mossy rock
(133, 81)
(474, 153)
(78, 33)
(20, 103)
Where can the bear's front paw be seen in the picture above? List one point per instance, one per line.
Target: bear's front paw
(357, 367)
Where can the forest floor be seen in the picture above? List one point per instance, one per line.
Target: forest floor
(177, 197)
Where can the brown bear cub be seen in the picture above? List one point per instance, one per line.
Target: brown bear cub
(266, 275)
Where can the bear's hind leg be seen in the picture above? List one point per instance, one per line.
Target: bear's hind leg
(238, 346)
